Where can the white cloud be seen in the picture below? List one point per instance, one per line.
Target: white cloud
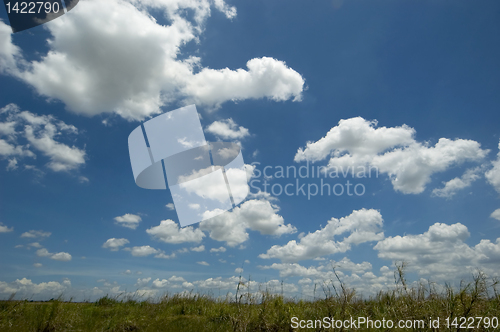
(323, 271)
(228, 129)
(454, 185)
(143, 251)
(176, 279)
(170, 206)
(25, 288)
(218, 283)
(357, 143)
(8, 51)
(128, 64)
(168, 231)
(12, 165)
(5, 229)
(361, 226)
(203, 263)
(229, 11)
(161, 254)
(198, 249)
(114, 244)
(35, 234)
(493, 175)
(157, 283)
(441, 251)
(257, 215)
(496, 214)
(41, 133)
(221, 249)
(265, 77)
(43, 252)
(37, 265)
(128, 220)
(60, 256)
(194, 206)
(238, 270)
(142, 282)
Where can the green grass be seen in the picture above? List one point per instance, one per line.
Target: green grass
(251, 313)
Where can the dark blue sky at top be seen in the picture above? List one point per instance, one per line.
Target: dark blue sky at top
(433, 65)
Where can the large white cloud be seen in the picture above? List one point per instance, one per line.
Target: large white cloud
(265, 77)
(441, 252)
(23, 133)
(168, 231)
(358, 227)
(356, 143)
(113, 57)
(257, 215)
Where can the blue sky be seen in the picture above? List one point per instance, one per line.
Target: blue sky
(407, 88)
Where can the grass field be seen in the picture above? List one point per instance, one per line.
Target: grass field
(266, 312)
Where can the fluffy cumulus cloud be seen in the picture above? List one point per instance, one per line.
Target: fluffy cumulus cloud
(114, 57)
(115, 244)
(169, 232)
(228, 129)
(441, 251)
(265, 77)
(24, 135)
(128, 220)
(493, 175)
(456, 184)
(25, 288)
(357, 142)
(359, 227)
(257, 215)
(5, 229)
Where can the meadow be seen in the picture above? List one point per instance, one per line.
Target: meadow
(474, 306)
